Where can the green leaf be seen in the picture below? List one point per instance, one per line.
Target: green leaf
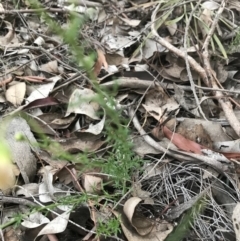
(176, 20)
(5, 154)
(183, 228)
(220, 46)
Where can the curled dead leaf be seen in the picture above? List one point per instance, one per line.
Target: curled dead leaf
(141, 224)
(101, 61)
(159, 232)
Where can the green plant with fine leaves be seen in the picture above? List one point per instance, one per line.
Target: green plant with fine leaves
(119, 162)
(112, 226)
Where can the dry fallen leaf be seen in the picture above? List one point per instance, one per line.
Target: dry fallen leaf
(205, 21)
(57, 225)
(182, 143)
(94, 129)
(159, 232)
(15, 93)
(9, 36)
(101, 61)
(92, 184)
(44, 90)
(80, 102)
(34, 220)
(142, 224)
(236, 221)
(50, 67)
(21, 150)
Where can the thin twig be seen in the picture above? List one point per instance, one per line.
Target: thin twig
(17, 200)
(217, 89)
(56, 10)
(187, 63)
(1, 234)
(17, 11)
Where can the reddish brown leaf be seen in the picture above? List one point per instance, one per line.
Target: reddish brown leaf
(190, 146)
(182, 143)
(6, 81)
(101, 61)
(230, 154)
(34, 79)
(48, 101)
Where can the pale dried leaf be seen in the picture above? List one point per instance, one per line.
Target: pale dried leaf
(142, 225)
(102, 16)
(80, 102)
(116, 59)
(28, 190)
(39, 41)
(15, 94)
(57, 225)
(141, 147)
(95, 129)
(50, 67)
(112, 69)
(92, 184)
(131, 22)
(2, 9)
(141, 67)
(44, 195)
(174, 71)
(5, 40)
(205, 21)
(46, 189)
(228, 146)
(158, 102)
(159, 232)
(154, 111)
(44, 90)
(236, 221)
(2, 98)
(34, 220)
(210, 5)
(82, 144)
(137, 191)
(172, 28)
(22, 150)
(117, 43)
(150, 47)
